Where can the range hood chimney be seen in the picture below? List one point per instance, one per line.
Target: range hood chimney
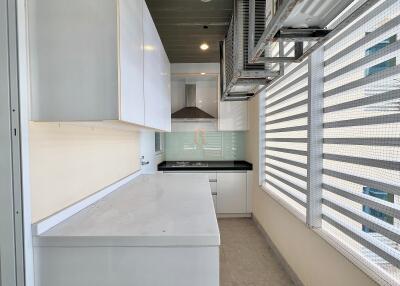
(191, 111)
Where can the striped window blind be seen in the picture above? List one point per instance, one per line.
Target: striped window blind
(286, 136)
(360, 175)
(361, 160)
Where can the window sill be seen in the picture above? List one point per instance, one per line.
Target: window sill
(284, 204)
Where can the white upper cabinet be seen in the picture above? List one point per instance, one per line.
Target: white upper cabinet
(157, 81)
(73, 60)
(87, 62)
(233, 116)
(131, 61)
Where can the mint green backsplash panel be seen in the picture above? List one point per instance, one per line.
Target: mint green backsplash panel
(204, 146)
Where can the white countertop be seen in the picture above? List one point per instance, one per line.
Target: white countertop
(151, 210)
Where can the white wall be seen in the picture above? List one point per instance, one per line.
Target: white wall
(70, 162)
(177, 94)
(314, 261)
(207, 96)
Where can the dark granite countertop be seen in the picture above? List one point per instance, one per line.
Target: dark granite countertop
(204, 166)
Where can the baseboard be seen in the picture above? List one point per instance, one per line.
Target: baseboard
(51, 221)
(296, 280)
(245, 215)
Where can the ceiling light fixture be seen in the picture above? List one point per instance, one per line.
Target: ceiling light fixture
(204, 46)
(149, 48)
(203, 73)
(205, 1)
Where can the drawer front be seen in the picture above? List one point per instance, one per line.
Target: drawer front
(212, 176)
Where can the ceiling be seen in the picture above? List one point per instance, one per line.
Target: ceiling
(180, 24)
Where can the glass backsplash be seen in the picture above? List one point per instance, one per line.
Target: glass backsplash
(205, 146)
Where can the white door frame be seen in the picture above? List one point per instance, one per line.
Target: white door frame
(12, 263)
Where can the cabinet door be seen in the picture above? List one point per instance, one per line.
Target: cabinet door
(166, 94)
(215, 203)
(233, 116)
(131, 61)
(154, 81)
(73, 60)
(232, 191)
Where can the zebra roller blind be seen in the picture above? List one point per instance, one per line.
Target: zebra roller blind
(286, 135)
(360, 174)
(361, 160)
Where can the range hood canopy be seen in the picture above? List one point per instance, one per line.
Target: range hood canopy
(191, 111)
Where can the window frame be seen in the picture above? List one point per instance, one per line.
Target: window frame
(313, 216)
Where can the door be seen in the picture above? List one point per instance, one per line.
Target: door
(11, 243)
(232, 191)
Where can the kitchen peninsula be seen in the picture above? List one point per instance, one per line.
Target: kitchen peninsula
(156, 230)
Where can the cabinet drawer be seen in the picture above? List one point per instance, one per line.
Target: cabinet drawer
(212, 177)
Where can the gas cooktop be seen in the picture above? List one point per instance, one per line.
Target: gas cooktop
(184, 164)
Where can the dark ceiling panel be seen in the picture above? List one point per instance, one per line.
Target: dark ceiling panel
(180, 24)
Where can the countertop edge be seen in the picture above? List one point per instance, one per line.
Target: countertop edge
(127, 241)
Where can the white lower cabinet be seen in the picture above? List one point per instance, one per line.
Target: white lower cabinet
(229, 190)
(215, 202)
(232, 192)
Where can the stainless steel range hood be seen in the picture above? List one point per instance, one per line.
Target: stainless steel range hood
(191, 111)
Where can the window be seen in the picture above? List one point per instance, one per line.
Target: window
(371, 211)
(386, 64)
(332, 140)
(286, 136)
(367, 190)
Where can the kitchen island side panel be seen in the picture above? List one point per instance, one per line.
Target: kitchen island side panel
(127, 266)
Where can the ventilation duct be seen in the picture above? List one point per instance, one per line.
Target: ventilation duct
(303, 25)
(239, 79)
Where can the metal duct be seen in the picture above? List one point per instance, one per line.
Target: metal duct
(240, 78)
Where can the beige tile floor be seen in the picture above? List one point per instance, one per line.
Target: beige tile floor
(245, 257)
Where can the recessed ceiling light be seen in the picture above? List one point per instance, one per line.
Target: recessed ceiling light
(205, 1)
(149, 48)
(203, 73)
(204, 46)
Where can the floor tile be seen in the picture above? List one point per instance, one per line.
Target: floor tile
(245, 257)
